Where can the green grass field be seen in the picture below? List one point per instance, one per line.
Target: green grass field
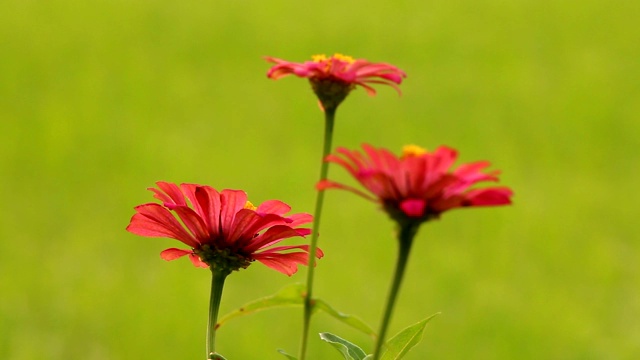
(100, 99)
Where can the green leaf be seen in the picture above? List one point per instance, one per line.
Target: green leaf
(287, 355)
(347, 319)
(216, 356)
(349, 350)
(399, 345)
(293, 295)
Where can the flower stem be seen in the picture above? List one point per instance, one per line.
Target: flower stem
(405, 240)
(217, 283)
(329, 114)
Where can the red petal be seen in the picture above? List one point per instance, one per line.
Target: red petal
(305, 248)
(273, 207)
(174, 253)
(193, 222)
(173, 194)
(489, 197)
(210, 204)
(282, 266)
(286, 263)
(328, 184)
(272, 236)
(246, 224)
(231, 201)
(153, 220)
(299, 219)
(195, 260)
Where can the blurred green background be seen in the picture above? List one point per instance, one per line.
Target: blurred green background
(100, 99)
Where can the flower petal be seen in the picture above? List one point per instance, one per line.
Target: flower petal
(286, 263)
(273, 235)
(305, 248)
(489, 197)
(273, 207)
(169, 193)
(247, 224)
(154, 220)
(193, 222)
(231, 201)
(174, 253)
(195, 260)
(210, 204)
(279, 264)
(328, 184)
(299, 219)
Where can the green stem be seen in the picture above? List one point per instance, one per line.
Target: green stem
(329, 114)
(217, 284)
(405, 240)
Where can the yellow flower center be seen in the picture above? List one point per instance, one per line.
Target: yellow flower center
(319, 58)
(322, 57)
(412, 150)
(250, 206)
(344, 58)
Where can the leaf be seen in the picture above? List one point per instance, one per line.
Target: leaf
(399, 345)
(347, 319)
(287, 355)
(349, 350)
(293, 295)
(216, 356)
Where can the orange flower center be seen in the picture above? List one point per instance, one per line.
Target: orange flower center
(412, 150)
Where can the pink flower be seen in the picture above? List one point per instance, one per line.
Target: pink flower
(223, 229)
(333, 78)
(419, 185)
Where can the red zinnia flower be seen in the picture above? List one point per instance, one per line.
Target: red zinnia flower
(419, 185)
(333, 78)
(223, 229)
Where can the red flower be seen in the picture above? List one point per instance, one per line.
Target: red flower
(223, 229)
(333, 78)
(419, 185)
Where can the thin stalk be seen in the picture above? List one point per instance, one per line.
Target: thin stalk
(324, 170)
(217, 284)
(405, 240)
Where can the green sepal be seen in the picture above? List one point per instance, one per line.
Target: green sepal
(349, 350)
(293, 295)
(399, 345)
(290, 357)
